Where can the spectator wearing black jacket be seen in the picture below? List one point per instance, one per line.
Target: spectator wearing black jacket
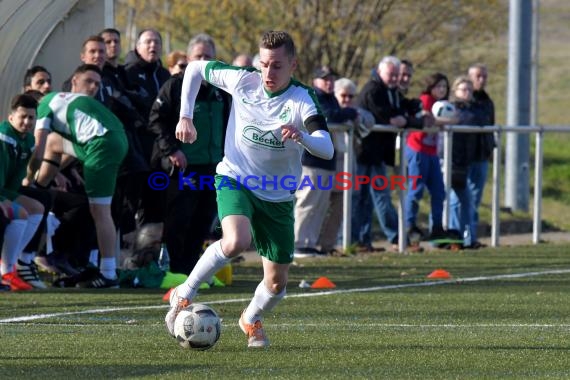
(381, 96)
(124, 96)
(312, 204)
(468, 151)
(485, 141)
(189, 213)
(146, 73)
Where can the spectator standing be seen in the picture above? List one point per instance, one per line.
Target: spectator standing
(146, 73)
(243, 60)
(37, 78)
(382, 98)
(464, 160)
(189, 212)
(122, 101)
(312, 203)
(423, 163)
(477, 176)
(176, 62)
(405, 76)
(345, 93)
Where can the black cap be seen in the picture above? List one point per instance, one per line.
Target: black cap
(323, 72)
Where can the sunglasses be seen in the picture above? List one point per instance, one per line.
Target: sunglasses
(182, 65)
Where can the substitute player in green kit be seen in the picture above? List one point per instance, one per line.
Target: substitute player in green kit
(273, 119)
(80, 126)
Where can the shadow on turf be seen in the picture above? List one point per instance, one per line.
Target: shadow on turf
(62, 370)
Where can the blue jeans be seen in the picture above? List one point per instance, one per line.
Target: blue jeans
(464, 204)
(362, 202)
(476, 178)
(428, 167)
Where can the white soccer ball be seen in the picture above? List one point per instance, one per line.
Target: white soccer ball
(197, 327)
(443, 109)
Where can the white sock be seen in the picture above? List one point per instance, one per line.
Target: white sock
(12, 238)
(211, 261)
(31, 228)
(263, 300)
(94, 257)
(108, 267)
(27, 257)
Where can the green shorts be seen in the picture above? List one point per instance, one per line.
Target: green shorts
(271, 222)
(101, 157)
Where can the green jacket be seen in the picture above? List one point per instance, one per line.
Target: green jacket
(15, 152)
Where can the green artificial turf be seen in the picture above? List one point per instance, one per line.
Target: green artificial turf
(384, 319)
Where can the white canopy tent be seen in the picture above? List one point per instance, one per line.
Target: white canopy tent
(47, 33)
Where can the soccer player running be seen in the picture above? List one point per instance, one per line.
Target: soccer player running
(273, 119)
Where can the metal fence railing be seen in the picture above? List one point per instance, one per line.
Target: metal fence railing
(448, 132)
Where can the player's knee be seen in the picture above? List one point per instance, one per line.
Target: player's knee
(277, 288)
(234, 245)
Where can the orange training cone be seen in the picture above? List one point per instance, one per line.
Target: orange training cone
(166, 296)
(323, 283)
(439, 274)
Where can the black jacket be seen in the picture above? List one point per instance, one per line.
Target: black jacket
(210, 119)
(385, 103)
(467, 146)
(148, 78)
(485, 142)
(334, 114)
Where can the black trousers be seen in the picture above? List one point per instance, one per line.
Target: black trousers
(76, 235)
(188, 220)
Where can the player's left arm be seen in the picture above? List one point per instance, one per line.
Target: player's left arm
(317, 140)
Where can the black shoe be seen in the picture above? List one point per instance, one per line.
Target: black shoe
(415, 235)
(438, 233)
(72, 281)
(99, 282)
(62, 264)
(475, 245)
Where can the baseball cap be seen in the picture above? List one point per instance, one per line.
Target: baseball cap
(324, 71)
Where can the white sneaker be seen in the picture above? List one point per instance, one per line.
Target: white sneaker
(29, 273)
(256, 337)
(176, 304)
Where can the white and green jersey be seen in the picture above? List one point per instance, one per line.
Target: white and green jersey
(77, 117)
(254, 153)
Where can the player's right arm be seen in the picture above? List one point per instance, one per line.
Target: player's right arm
(37, 155)
(193, 76)
(216, 73)
(41, 131)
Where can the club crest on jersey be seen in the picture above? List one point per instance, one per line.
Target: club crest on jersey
(285, 115)
(263, 138)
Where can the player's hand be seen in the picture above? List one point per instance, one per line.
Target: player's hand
(178, 159)
(398, 121)
(290, 132)
(185, 131)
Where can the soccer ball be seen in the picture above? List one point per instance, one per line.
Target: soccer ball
(197, 327)
(443, 108)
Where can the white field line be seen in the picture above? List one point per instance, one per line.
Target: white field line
(312, 294)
